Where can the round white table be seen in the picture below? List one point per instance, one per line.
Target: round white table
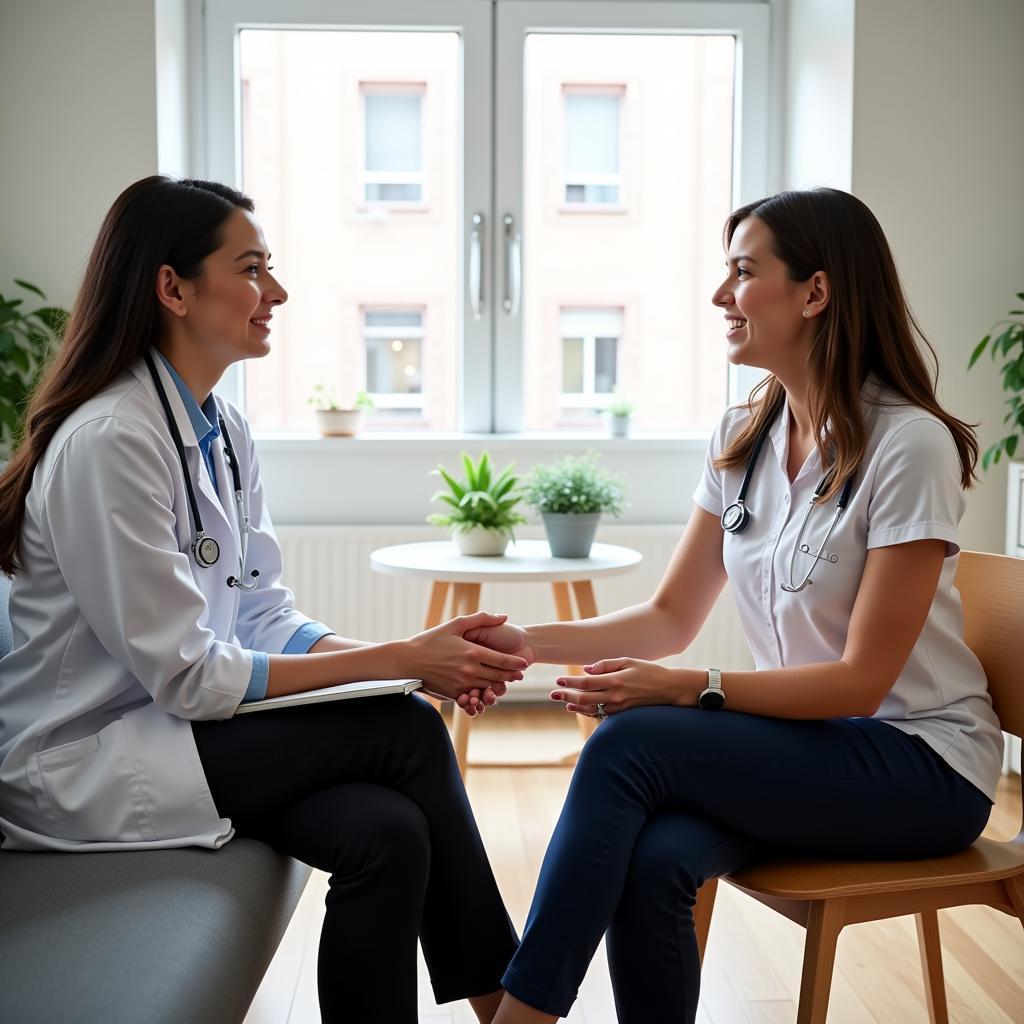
(457, 580)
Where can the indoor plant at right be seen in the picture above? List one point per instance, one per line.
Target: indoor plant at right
(1008, 343)
(571, 495)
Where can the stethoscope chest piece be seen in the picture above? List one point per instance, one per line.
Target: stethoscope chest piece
(736, 518)
(206, 551)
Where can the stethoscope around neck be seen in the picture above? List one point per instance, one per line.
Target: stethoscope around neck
(206, 550)
(737, 517)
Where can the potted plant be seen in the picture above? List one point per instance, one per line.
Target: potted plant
(571, 494)
(27, 340)
(1009, 343)
(334, 419)
(482, 510)
(619, 413)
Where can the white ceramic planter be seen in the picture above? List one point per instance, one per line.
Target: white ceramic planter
(489, 543)
(339, 422)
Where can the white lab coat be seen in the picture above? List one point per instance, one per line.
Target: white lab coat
(120, 638)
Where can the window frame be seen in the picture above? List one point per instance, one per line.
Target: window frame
(491, 35)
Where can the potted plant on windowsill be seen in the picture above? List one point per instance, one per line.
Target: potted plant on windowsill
(619, 413)
(334, 419)
(571, 495)
(27, 341)
(482, 510)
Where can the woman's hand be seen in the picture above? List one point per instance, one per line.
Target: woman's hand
(621, 683)
(506, 638)
(451, 665)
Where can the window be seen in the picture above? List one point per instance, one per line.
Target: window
(393, 340)
(592, 174)
(393, 144)
(513, 129)
(590, 356)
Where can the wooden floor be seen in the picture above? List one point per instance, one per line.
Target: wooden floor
(752, 969)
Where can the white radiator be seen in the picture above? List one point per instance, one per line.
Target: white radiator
(329, 570)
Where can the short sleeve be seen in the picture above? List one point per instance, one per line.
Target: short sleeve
(916, 490)
(709, 492)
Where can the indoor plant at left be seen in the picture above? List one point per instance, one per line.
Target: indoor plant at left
(27, 340)
(481, 509)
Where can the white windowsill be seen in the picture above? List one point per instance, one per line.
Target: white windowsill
(375, 443)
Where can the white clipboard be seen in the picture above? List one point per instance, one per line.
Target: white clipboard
(346, 691)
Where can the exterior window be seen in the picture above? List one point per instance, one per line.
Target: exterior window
(590, 356)
(393, 154)
(592, 174)
(393, 340)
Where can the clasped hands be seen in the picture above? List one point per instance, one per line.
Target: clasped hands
(472, 658)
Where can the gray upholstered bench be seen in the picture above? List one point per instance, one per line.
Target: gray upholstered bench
(155, 936)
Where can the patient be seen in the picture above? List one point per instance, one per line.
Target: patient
(839, 744)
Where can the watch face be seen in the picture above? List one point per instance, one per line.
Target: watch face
(711, 700)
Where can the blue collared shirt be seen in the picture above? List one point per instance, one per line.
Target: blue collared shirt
(204, 423)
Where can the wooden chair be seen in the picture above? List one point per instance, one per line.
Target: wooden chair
(824, 896)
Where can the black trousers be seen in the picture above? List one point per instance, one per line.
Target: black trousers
(369, 791)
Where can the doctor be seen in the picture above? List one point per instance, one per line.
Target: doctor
(147, 604)
(830, 503)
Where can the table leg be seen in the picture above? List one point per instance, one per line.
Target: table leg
(587, 605)
(465, 601)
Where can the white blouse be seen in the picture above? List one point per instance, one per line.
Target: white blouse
(907, 488)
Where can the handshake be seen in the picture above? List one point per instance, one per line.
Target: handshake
(469, 659)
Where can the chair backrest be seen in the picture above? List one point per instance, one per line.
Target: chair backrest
(6, 636)
(992, 590)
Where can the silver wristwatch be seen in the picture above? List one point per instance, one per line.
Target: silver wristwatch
(713, 698)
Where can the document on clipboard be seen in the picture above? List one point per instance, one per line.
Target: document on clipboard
(346, 691)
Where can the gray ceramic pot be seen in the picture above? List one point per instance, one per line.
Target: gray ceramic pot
(570, 534)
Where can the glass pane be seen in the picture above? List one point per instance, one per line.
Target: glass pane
(572, 365)
(604, 364)
(393, 131)
(384, 193)
(393, 367)
(327, 117)
(591, 132)
(647, 234)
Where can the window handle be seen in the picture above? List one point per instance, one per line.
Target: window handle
(513, 267)
(476, 277)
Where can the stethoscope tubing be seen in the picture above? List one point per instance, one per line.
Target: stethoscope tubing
(205, 550)
(737, 516)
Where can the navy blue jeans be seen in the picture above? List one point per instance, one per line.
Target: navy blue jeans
(664, 798)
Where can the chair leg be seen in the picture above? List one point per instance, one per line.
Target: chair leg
(931, 963)
(702, 911)
(824, 923)
(1015, 894)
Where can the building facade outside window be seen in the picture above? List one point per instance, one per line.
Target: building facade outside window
(392, 143)
(592, 161)
(393, 341)
(591, 346)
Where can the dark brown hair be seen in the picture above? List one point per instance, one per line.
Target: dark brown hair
(866, 328)
(115, 317)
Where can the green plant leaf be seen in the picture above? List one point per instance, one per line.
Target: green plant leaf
(469, 468)
(483, 472)
(1010, 338)
(29, 288)
(457, 489)
(979, 348)
(1011, 445)
(54, 318)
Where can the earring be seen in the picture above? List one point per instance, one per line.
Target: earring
(807, 312)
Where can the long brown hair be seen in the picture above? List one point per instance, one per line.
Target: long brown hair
(866, 328)
(115, 317)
